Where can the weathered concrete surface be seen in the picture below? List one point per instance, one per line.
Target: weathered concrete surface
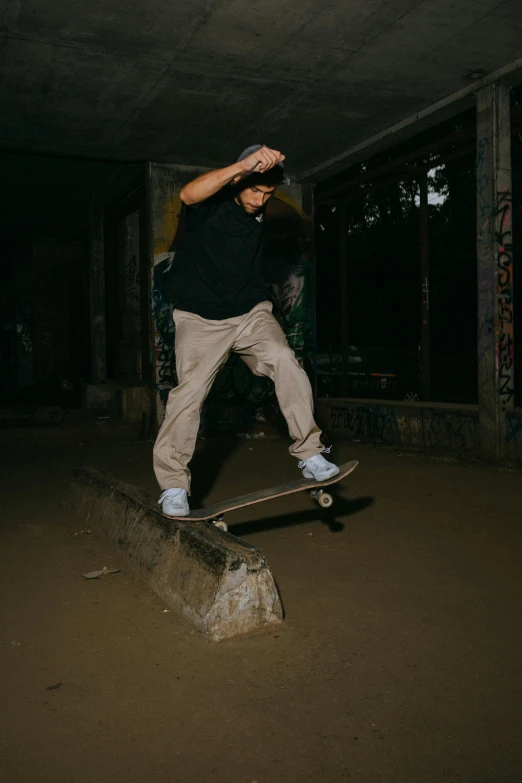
(130, 401)
(221, 584)
(135, 401)
(101, 397)
(412, 425)
(441, 427)
(495, 329)
(400, 661)
(175, 85)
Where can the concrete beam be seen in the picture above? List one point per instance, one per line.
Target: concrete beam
(221, 584)
(439, 111)
(496, 388)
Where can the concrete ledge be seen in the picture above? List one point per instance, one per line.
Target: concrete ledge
(422, 426)
(221, 584)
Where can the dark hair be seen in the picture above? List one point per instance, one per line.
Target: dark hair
(271, 178)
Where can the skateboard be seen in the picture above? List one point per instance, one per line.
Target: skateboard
(214, 513)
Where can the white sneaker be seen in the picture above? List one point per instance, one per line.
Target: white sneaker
(318, 468)
(174, 502)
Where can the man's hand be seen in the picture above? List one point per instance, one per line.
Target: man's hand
(208, 184)
(262, 160)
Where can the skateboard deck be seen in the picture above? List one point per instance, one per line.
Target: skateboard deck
(215, 512)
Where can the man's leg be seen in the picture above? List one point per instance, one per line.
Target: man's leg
(262, 345)
(202, 347)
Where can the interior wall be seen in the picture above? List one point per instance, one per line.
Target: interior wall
(44, 318)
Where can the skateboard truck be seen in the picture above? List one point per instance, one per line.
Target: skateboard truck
(220, 523)
(324, 499)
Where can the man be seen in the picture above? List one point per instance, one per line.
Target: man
(221, 305)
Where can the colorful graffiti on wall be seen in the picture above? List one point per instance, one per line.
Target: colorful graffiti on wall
(514, 435)
(164, 333)
(291, 302)
(238, 398)
(504, 331)
(291, 275)
(419, 427)
(416, 427)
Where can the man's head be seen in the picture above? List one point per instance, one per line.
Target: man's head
(252, 192)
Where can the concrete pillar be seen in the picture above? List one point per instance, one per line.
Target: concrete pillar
(344, 284)
(164, 186)
(129, 284)
(56, 269)
(289, 235)
(24, 332)
(307, 200)
(495, 268)
(98, 332)
(425, 289)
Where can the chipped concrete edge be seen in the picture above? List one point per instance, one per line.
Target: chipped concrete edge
(221, 584)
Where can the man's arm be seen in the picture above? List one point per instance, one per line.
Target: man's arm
(208, 184)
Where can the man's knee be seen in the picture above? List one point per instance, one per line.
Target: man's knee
(189, 393)
(280, 355)
(285, 354)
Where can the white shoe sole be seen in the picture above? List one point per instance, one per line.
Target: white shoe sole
(308, 475)
(181, 513)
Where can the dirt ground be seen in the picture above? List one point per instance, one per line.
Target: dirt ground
(399, 659)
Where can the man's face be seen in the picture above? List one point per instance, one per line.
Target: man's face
(252, 199)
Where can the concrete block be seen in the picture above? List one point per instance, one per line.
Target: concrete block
(102, 397)
(135, 401)
(221, 584)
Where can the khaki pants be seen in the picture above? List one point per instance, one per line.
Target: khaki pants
(202, 348)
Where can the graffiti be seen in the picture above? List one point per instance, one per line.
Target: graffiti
(402, 424)
(426, 294)
(482, 191)
(132, 279)
(367, 421)
(291, 300)
(415, 428)
(289, 271)
(504, 346)
(164, 334)
(425, 428)
(450, 430)
(514, 431)
(24, 331)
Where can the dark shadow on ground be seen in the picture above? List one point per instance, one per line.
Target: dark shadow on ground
(206, 465)
(328, 516)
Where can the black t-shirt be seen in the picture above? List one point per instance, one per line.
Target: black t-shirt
(217, 271)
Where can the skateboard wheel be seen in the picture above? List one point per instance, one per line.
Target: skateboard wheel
(219, 523)
(325, 500)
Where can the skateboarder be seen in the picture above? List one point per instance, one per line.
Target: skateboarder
(221, 305)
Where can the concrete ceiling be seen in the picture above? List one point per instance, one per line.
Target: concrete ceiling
(195, 81)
